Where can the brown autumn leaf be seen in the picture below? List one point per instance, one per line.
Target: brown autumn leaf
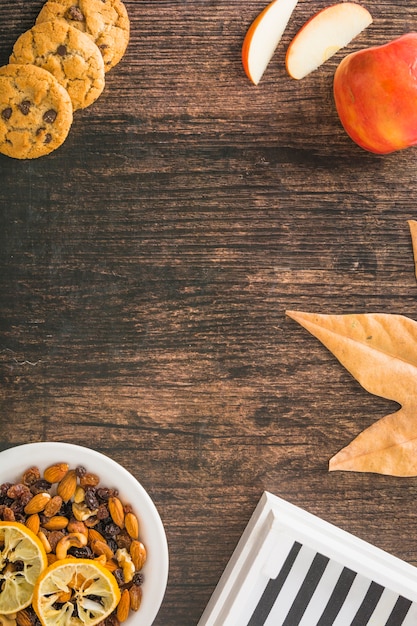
(413, 231)
(380, 351)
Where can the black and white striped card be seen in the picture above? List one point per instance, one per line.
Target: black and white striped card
(291, 568)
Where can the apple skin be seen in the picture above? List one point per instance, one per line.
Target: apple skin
(375, 92)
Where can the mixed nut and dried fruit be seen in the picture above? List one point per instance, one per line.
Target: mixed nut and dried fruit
(73, 515)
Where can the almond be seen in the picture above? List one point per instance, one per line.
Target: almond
(37, 503)
(101, 547)
(138, 554)
(101, 559)
(112, 566)
(57, 522)
(123, 607)
(94, 535)
(23, 618)
(67, 485)
(116, 511)
(135, 593)
(132, 525)
(33, 522)
(55, 473)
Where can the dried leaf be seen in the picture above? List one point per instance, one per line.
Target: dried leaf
(413, 231)
(380, 351)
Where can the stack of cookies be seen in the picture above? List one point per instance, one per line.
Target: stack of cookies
(56, 68)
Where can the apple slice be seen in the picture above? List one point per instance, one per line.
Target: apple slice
(323, 35)
(263, 37)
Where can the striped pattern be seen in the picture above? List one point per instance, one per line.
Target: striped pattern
(313, 590)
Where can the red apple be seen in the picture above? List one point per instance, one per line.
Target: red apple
(375, 91)
(263, 37)
(323, 35)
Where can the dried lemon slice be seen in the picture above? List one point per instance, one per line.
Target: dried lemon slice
(22, 559)
(73, 592)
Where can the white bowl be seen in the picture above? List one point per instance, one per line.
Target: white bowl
(14, 461)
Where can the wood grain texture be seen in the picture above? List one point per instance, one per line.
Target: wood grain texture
(146, 266)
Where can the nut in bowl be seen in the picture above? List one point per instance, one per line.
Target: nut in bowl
(56, 519)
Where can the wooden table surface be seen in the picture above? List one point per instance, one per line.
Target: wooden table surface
(147, 264)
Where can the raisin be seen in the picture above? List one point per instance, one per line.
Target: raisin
(18, 490)
(90, 498)
(111, 530)
(4, 487)
(80, 471)
(26, 498)
(8, 514)
(102, 512)
(81, 553)
(103, 493)
(31, 475)
(123, 540)
(118, 574)
(54, 537)
(17, 506)
(112, 545)
(89, 480)
(66, 509)
(39, 486)
(138, 579)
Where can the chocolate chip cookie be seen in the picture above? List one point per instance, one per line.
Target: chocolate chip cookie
(35, 112)
(70, 55)
(105, 21)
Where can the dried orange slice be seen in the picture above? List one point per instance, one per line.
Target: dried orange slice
(75, 592)
(22, 559)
